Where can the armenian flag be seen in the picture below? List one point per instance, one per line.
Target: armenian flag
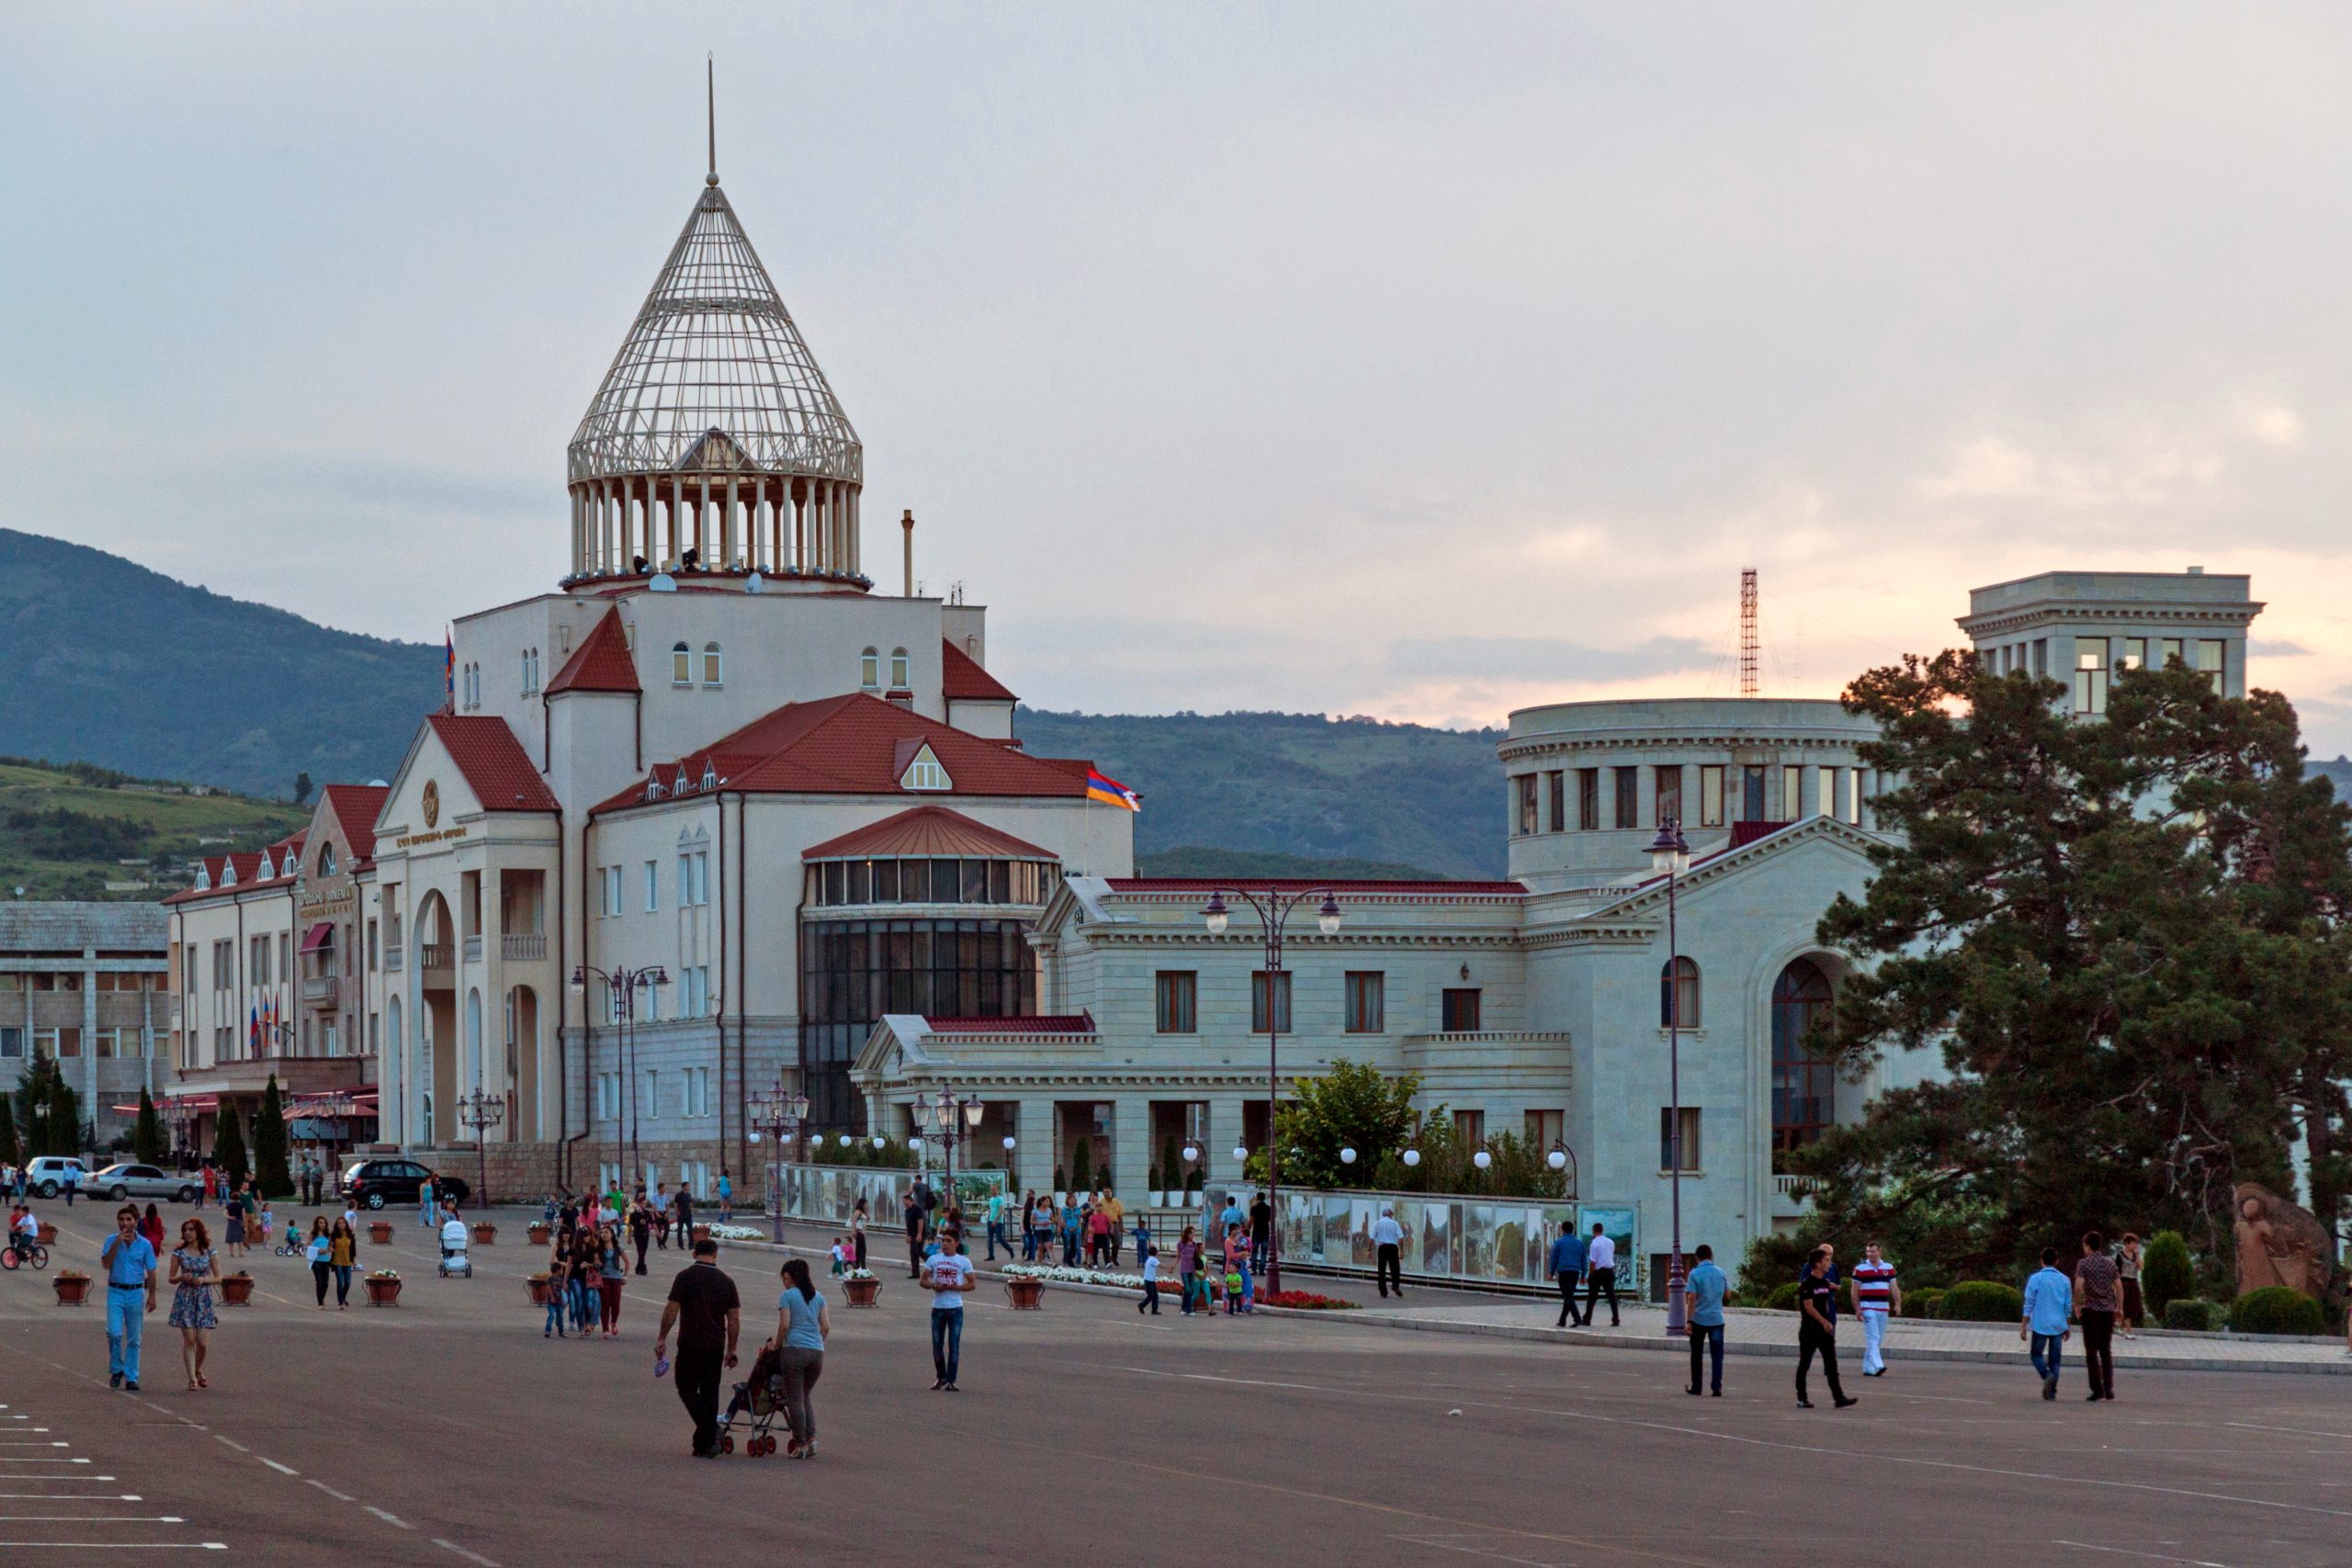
(1110, 792)
(448, 673)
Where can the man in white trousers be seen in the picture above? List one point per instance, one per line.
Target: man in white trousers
(1876, 1293)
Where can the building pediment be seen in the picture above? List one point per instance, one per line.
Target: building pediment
(1816, 836)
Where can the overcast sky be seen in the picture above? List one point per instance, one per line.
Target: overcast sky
(1419, 361)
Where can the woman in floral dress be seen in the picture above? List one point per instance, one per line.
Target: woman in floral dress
(194, 1272)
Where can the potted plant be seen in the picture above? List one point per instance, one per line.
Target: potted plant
(701, 1232)
(541, 1233)
(1151, 1186)
(72, 1286)
(237, 1288)
(1026, 1292)
(380, 1232)
(48, 1234)
(863, 1286)
(485, 1234)
(383, 1287)
(538, 1284)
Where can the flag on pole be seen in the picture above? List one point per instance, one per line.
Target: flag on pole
(449, 672)
(1110, 792)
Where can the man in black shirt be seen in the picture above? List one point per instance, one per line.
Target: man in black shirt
(1817, 1326)
(708, 1316)
(918, 1214)
(1261, 1230)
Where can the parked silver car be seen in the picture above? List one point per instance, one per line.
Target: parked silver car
(116, 1182)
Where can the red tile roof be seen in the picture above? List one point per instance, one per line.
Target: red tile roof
(1050, 1023)
(247, 865)
(964, 680)
(925, 831)
(850, 745)
(494, 764)
(1341, 885)
(601, 663)
(354, 807)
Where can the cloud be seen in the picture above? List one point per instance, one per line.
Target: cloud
(1521, 659)
(2269, 647)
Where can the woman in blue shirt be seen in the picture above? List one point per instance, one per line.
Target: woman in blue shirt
(801, 1325)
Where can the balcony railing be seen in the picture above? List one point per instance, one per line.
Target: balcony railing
(1796, 1189)
(434, 955)
(523, 947)
(321, 990)
(474, 948)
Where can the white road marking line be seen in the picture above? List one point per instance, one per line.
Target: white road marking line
(338, 1496)
(71, 1497)
(388, 1518)
(2298, 1431)
(124, 1545)
(281, 1468)
(468, 1556)
(52, 1443)
(54, 1459)
(93, 1519)
(232, 1442)
(2150, 1556)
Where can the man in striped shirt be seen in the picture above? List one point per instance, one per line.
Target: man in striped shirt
(1875, 1295)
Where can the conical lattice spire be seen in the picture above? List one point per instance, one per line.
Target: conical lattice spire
(714, 349)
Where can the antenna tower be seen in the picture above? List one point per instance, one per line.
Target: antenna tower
(1747, 683)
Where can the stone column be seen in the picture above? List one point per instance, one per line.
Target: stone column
(92, 1110)
(1225, 1128)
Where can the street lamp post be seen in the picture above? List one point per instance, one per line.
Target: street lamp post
(947, 1121)
(1274, 908)
(624, 984)
(1670, 856)
(481, 1112)
(778, 1114)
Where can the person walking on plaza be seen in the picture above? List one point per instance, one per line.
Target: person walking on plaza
(2097, 1299)
(1188, 1269)
(150, 1226)
(1150, 1280)
(612, 1274)
(1236, 1271)
(1098, 1235)
(426, 1208)
(911, 1211)
(343, 1256)
(1876, 1293)
(947, 1274)
(660, 1203)
(641, 1227)
(1117, 1231)
(70, 1180)
(194, 1269)
(235, 1238)
(1567, 1263)
(1817, 1328)
(1073, 1227)
(1389, 1253)
(708, 1315)
(1599, 1275)
(1702, 1291)
(2049, 1307)
(205, 1189)
(2127, 1266)
(1262, 1231)
(725, 1196)
(559, 1291)
(995, 1221)
(316, 1253)
(130, 1295)
(682, 1215)
(802, 1326)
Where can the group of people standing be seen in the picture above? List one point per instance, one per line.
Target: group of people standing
(588, 1258)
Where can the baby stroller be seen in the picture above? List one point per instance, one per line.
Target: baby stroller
(759, 1399)
(454, 1264)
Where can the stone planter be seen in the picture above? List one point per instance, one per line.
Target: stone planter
(702, 1233)
(236, 1288)
(538, 1284)
(383, 1293)
(380, 1232)
(73, 1289)
(485, 1233)
(541, 1233)
(1027, 1295)
(48, 1234)
(862, 1292)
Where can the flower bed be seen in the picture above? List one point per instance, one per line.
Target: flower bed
(1060, 1275)
(1308, 1300)
(736, 1233)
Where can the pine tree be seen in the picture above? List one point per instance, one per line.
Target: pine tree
(1082, 1165)
(147, 1136)
(229, 1144)
(270, 1172)
(65, 1135)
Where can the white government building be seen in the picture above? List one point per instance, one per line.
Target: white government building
(716, 754)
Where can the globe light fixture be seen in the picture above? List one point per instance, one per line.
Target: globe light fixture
(879, 1139)
(1669, 851)
(1215, 915)
(1557, 1159)
(1482, 1159)
(1328, 917)
(1347, 1157)
(1009, 1141)
(754, 1135)
(1239, 1153)
(1191, 1151)
(1412, 1157)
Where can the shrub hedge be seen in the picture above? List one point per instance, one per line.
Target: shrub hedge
(2166, 1272)
(2192, 1312)
(2275, 1309)
(1783, 1297)
(1981, 1301)
(1924, 1302)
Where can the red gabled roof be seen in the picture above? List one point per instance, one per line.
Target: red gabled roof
(1049, 1024)
(850, 745)
(1340, 885)
(601, 663)
(246, 864)
(354, 807)
(493, 763)
(963, 680)
(925, 831)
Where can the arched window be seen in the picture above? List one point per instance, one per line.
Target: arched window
(326, 859)
(869, 670)
(682, 665)
(898, 670)
(1678, 994)
(710, 664)
(1805, 1085)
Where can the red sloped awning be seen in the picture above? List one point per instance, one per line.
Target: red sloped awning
(319, 936)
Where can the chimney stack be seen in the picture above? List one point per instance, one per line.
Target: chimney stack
(908, 523)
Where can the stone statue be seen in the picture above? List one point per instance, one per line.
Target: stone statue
(2278, 1244)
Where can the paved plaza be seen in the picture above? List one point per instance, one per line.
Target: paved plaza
(447, 1430)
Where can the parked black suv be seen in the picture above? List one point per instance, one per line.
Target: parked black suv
(373, 1183)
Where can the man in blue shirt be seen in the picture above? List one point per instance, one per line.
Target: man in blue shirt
(1703, 1291)
(2048, 1303)
(1568, 1267)
(130, 1263)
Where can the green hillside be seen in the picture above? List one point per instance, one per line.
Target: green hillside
(66, 832)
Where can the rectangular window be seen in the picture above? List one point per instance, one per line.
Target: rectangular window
(1257, 995)
(702, 876)
(1367, 1001)
(1688, 1151)
(686, 882)
(2091, 674)
(1628, 797)
(12, 1041)
(371, 947)
(1525, 785)
(1854, 796)
(1555, 789)
(1791, 795)
(1177, 993)
(1589, 798)
(2209, 660)
(1711, 796)
(1751, 795)
(652, 1106)
(2168, 649)
(1470, 1126)
(2135, 653)
(1669, 795)
(1545, 1128)
(1458, 1010)
(653, 886)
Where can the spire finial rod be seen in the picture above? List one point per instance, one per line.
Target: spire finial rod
(710, 85)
